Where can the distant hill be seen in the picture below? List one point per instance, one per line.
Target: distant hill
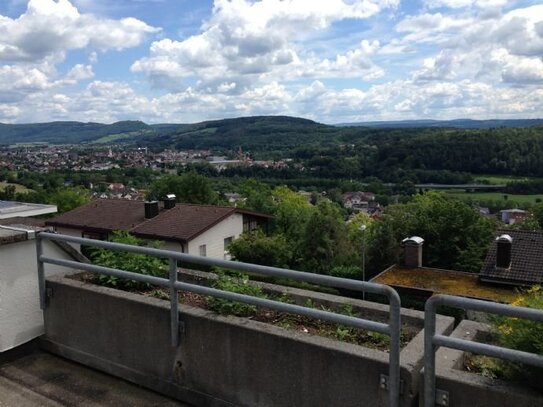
(256, 133)
(253, 133)
(77, 132)
(457, 123)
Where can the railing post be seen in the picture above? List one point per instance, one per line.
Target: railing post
(430, 352)
(41, 272)
(174, 303)
(394, 356)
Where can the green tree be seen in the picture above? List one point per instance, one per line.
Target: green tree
(325, 243)
(456, 236)
(258, 196)
(68, 199)
(292, 212)
(188, 188)
(255, 247)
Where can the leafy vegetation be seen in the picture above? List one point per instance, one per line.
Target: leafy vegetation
(133, 262)
(515, 333)
(235, 283)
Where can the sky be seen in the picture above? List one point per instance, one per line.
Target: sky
(333, 61)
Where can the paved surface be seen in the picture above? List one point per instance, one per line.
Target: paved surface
(41, 379)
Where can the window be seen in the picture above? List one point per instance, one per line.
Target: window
(203, 250)
(249, 223)
(227, 241)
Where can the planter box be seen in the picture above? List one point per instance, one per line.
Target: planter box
(470, 389)
(222, 360)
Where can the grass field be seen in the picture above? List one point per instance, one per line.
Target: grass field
(18, 188)
(496, 196)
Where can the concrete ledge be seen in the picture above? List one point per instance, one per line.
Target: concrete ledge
(471, 389)
(222, 360)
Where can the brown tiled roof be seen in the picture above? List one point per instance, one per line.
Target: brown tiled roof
(103, 214)
(182, 223)
(526, 259)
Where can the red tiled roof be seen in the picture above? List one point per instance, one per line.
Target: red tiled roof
(526, 259)
(181, 223)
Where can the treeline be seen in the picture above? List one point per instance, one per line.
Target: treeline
(438, 155)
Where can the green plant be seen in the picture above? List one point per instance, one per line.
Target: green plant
(519, 333)
(133, 262)
(236, 283)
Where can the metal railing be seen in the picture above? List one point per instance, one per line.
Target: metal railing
(433, 341)
(392, 328)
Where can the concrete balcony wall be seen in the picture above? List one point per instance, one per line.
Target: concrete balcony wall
(471, 389)
(221, 360)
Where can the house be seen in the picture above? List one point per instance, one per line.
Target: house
(415, 282)
(203, 230)
(514, 259)
(512, 216)
(357, 200)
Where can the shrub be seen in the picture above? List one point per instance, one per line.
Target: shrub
(133, 262)
(236, 283)
(519, 333)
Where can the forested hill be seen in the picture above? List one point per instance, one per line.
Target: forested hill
(257, 133)
(457, 123)
(77, 132)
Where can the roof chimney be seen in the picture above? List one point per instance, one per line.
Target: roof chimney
(151, 209)
(169, 201)
(413, 251)
(504, 245)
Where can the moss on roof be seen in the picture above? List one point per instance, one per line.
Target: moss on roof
(445, 282)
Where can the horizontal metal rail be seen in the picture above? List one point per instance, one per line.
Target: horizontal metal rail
(433, 341)
(392, 328)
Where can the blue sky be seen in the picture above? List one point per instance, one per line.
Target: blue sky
(329, 60)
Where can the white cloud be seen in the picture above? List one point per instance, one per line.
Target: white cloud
(260, 40)
(50, 28)
(454, 4)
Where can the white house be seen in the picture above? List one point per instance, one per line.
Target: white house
(204, 230)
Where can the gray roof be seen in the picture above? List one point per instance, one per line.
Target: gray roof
(526, 259)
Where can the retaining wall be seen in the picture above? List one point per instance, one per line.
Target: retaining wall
(221, 360)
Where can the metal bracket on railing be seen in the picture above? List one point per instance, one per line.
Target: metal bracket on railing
(442, 398)
(384, 383)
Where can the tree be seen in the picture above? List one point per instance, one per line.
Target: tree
(456, 236)
(257, 248)
(258, 196)
(292, 212)
(188, 188)
(68, 199)
(325, 243)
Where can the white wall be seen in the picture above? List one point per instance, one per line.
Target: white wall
(214, 238)
(70, 232)
(21, 318)
(172, 246)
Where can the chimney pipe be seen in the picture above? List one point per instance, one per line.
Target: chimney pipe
(151, 209)
(169, 201)
(504, 245)
(413, 251)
